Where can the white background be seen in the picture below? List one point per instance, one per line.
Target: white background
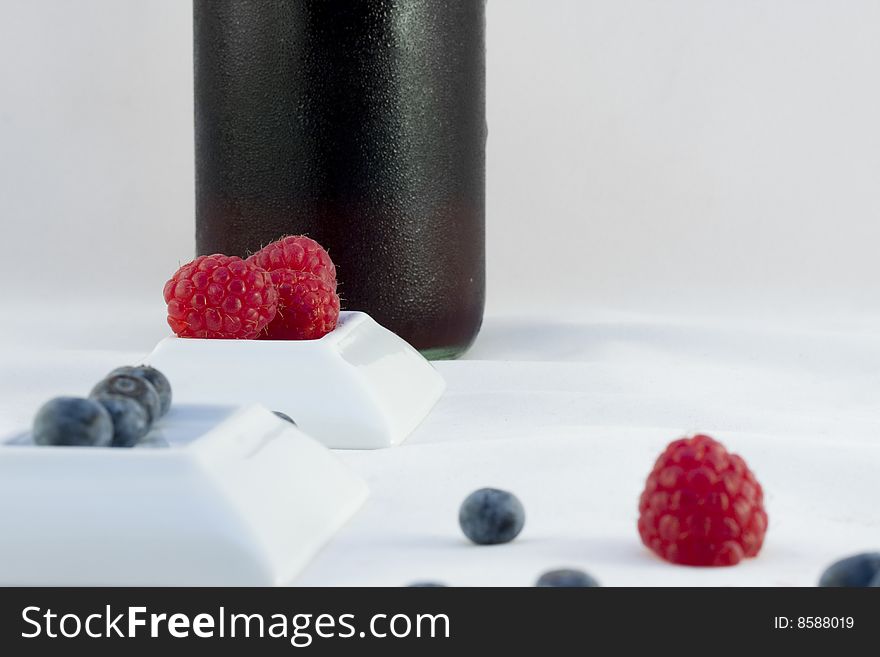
(693, 156)
(683, 201)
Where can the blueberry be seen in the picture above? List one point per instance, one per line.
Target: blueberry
(489, 516)
(567, 578)
(160, 382)
(130, 419)
(137, 388)
(285, 417)
(426, 585)
(73, 421)
(858, 570)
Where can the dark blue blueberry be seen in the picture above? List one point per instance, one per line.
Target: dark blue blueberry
(285, 417)
(160, 382)
(875, 583)
(139, 389)
(857, 570)
(73, 421)
(567, 578)
(490, 516)
(426, 585)
(130, 420)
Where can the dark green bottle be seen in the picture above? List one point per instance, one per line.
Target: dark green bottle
(360, 123)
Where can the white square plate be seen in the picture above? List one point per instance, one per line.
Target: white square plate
(228, 497)
(358, 387)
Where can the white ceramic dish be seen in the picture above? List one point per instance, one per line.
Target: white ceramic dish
(228, 497)
(358, 387)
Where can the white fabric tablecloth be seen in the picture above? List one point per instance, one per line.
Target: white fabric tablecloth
(570, 417)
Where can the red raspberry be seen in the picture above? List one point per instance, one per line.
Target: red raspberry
(220, 296)
(702, 506)
(308, 306)
(298, 253)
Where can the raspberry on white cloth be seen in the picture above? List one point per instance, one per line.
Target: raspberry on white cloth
(702, 506)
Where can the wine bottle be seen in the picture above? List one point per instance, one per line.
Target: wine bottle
(360, 123)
